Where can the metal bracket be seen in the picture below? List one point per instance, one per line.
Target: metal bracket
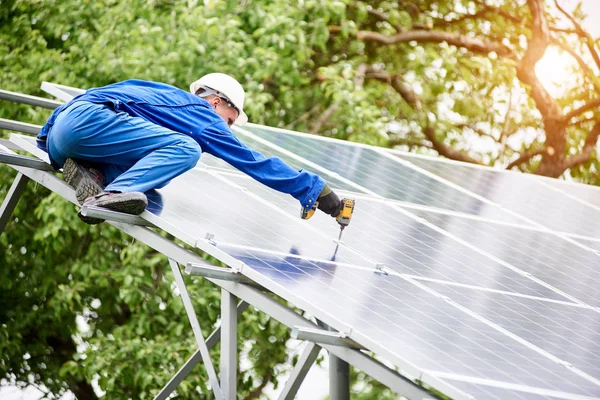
(19, 126)
(103, 213)
(24, 161)
(224, 274)
(323, 336)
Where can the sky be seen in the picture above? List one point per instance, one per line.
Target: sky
(316, 384)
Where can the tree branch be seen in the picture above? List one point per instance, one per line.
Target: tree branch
(582, 64)
(324, 117)
(581, 32)
(255, 394)
(525, 157)
(396, 82)
(410, 142)
(471, 44)
(586, 107)
(447, 151)
(588, 148)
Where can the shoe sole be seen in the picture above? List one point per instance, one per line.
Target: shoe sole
(78, 177)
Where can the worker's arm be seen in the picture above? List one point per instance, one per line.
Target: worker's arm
(304, 186)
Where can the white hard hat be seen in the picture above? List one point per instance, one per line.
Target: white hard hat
(225, 86)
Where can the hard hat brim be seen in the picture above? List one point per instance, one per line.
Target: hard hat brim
(242, 119)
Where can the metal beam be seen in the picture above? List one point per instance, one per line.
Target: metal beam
(184, 371)
(309, 355)
(322, 336)
(211, 271)
(387, 376)
(27, 99)
(11, 199)
(189, 309)
(24, 161)
(339, 378)
(228, 345)
(103, 213)
(11, 125)
(9, 145)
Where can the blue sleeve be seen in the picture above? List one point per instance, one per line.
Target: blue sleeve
(218, 140)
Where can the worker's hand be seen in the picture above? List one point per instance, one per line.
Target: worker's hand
(329, 202)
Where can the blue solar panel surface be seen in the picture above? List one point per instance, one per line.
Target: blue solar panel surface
(508, 325)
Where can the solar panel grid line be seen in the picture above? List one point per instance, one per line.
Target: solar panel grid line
(498, 291)
(294, 219)
(357, 336)
(570, 334)
(508, 333)
(512, 386)
(492, 257)
(575, 198)
(464, 190)
(545, 255)
(415, 206)
(298, 256)
(407, 368)
(307, 162)
(523, 194)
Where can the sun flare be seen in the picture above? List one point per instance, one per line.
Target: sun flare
(554, 71)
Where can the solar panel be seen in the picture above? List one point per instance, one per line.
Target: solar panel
(424, 277)
(570, 332)
(408, 323)
(561, 263)
(383, 176)
(525, 195)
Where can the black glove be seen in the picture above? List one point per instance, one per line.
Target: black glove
(329, 202)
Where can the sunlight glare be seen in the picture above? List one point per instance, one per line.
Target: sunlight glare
(554, 71)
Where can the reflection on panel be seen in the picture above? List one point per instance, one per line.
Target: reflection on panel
(550, 258)
(519, 193)
(409, 323)
(198, 203)
(388, 236)
(382, 175)
(495, 391)
(586, 193)
(568, 332)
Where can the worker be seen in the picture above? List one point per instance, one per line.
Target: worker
(118, 141)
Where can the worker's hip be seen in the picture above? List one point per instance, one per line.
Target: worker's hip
(97, 133)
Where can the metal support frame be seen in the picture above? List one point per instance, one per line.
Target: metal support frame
(184, 371)
(323, 336)
(28, 99)
(309, 355)
(19, 126)
(103, 213)
(210, 271)
(339, 378)
(24, 161)
(189, 309)
(387, 376)
(229, 362)
(11, 199)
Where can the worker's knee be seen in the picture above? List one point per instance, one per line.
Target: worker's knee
(192, 151)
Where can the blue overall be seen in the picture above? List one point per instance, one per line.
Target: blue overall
(143, 134)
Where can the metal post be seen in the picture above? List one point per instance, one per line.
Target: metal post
(11, 199)
(189, 309)
(309, 355)
(184, 371)
(228, 345)
(339, 378)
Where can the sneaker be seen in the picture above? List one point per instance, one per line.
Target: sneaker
(133, 203)
(88, 182)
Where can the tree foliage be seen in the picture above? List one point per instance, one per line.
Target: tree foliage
(82, 305)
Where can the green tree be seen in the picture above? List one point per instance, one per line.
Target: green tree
(449, 77)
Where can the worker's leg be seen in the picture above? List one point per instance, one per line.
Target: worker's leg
(148, 155)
